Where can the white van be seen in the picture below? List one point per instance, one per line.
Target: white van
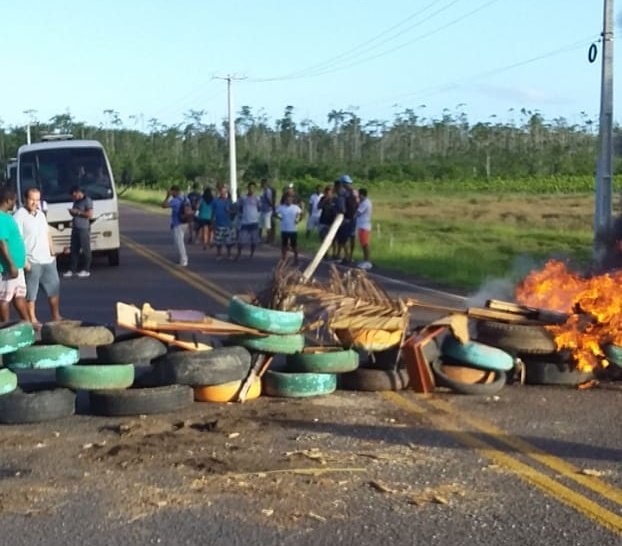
(55, 167)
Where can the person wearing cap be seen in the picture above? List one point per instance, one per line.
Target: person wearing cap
(82, 212)
(346, 204)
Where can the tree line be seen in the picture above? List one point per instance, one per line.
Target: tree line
(408, 147)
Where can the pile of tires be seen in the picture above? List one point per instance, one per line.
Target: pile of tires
(535, 347)
(471, 368)
(32, 402)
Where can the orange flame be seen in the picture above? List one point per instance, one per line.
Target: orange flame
(594, 305)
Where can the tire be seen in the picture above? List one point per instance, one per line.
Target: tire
(14, 336)
(227, 392)
(131, 350)
(96, 377)
(41, 357)
(323, 360)
(443, 379)
(266, 320)
(298, 385)
(197, 368)
(477, 354)
(516, 338)
(8, 381)
(544, 372)
(76, 335)
(36, 403)
(113, 258)
(366, 379)
(613, 354)
(116, 403)
(274, 344)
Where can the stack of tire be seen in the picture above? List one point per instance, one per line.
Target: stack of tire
(472, 367)
(534, 345)
(380, 371)
(306, 373)
(24, 397)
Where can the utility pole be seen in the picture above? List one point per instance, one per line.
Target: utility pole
(233, 168)
(31, 114)
(604, 167)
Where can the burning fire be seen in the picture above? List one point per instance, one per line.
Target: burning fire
(594, 306)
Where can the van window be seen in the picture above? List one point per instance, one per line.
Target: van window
(56, 171)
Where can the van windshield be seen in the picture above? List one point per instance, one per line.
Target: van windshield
(56, 171)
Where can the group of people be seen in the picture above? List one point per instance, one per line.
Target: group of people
(216, 220)
(27, 260)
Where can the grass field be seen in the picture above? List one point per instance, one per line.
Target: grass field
(460, 234)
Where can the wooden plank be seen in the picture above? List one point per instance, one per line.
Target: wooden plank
(421, 378)
(126, 318)
(502, 316)
(509, 307)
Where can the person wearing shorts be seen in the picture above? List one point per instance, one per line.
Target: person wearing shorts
(40, 269)
(290, 215)
(204, 218)
(267, 200)
(363, 226)
(12, 259)
(224, 231)
(248, 209)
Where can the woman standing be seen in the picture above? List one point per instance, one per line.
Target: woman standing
(204, 217)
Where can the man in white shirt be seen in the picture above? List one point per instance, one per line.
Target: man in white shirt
(313, 221)
(290, 215)
(363, 226)
(40, 268)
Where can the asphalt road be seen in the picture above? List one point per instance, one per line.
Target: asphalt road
(532, 465)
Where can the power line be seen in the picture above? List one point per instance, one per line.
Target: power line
(365, 46)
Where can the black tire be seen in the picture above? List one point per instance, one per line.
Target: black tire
(113, 258)
(76, 335)
(131, 350)
(481, 389)
(516, 338)
(36, 403)
(135, 401)
(197, 368)
(545, 372)
(365, 379)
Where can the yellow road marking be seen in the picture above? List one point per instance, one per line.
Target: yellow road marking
(559, 465)
(575, 500)
(193, 279)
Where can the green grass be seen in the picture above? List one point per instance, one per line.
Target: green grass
(460, 238)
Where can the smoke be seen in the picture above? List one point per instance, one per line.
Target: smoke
(504, 288)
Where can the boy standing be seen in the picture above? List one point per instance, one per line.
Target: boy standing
(363, 226)
(248, 208)
(180, 207)
(224, 231)
(290, 215)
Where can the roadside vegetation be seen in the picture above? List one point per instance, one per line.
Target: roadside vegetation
(455, 202)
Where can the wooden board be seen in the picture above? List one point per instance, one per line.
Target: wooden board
(128, 317)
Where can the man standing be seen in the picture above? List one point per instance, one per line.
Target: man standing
(82, 212)
(194, 197)
(180, 209)
(267, 200)
(12, 259)
(313, 221)
(363, 226)
(40, 269)
(346, 205)
(248, 207)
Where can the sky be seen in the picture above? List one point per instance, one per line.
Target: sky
(159, 59)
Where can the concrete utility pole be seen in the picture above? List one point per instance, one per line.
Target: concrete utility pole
(604, 167)
(233, 172)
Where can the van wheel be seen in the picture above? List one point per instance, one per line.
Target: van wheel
(113, 257)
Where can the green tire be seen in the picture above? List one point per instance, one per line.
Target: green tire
(8, 381)
(613, 354)
(274, 344)
(323, 360)
(266, 320)
(298, 385)
(41, 356)
(477, 354)
(96, 377)
(15, 336)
